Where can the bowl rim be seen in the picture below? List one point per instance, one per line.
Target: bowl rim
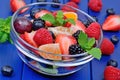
(38, 3)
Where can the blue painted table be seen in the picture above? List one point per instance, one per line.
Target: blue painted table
(92, 71)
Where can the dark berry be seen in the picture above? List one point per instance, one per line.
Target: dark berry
(41, 0)
(22, 25)
(112, 63)
(76, 34)
(75, 49)
(110, 11)
(38, 23)
(96, 19)
(53, 36)
(114, 39)
(7, 70)
(55, 1)
(86, 23)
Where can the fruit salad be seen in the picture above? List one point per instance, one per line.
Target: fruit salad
(58, 36)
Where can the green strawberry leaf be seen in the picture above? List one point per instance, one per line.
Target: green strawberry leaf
(95, 52)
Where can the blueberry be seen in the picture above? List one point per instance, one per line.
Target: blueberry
(7, 70)
(114, 39)
(86, 23)
(112, 63)
(38, 23)
(55, 1)
(110, 11)
(41, 0)
(96, 19)
(34, 11)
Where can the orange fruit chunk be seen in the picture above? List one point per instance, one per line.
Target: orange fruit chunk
(71, 15)
(48, 49)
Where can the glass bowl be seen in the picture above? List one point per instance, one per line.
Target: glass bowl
(49, 67)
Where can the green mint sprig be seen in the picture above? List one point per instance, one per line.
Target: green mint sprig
(87, 44)
(57, 20)
(5, 30)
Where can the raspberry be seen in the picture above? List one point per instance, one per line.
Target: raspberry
(111, 73)
(107, 47)
(66, 8)
(93, 30)
(75, 1)
(95, 5)
(43, 36)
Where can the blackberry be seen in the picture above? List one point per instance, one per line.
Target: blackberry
(86, 23)
(76, 34)
(75, 49)
(112, 63)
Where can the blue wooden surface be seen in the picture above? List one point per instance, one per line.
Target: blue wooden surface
(92, 71)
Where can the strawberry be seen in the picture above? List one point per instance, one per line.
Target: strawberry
(66, 8)
(93, 30)
(75, 1)
(43, 36)
(107, 47)
(67, 24)
(111, 73)
(95, 5)
(41, 13)
(65, 41)
(112, 23)
(78, 26)
(28, 37)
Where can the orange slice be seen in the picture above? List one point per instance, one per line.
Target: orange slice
(50, 48)
(71, 15)
(60, 30)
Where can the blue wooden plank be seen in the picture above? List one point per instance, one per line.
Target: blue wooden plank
(8, 56)
(8, 52)
(99, 66)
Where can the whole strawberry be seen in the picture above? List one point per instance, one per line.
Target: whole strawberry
(111, 73)
(43, 36)
(95, 5)
(107, 47)
(93, 30)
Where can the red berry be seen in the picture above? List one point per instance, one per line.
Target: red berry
(93, 30)
(66, 8)
(43, 36)
(95, 5)
(67, 24)
(75, 1)
(111, 73)
(107, 47)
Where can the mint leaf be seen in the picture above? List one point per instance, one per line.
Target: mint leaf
(72, 21)
(82, 39)
(60, 21)
(95, 52)
(4, 38)
(90, 43)
(59, 14)
(48, 17)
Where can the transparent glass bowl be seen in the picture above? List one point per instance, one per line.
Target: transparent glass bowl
(49, 67)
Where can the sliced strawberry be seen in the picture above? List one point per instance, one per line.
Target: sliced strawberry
(65, 41)
(41, 13)
(29, 38)
(78, 26)
(112, 23)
